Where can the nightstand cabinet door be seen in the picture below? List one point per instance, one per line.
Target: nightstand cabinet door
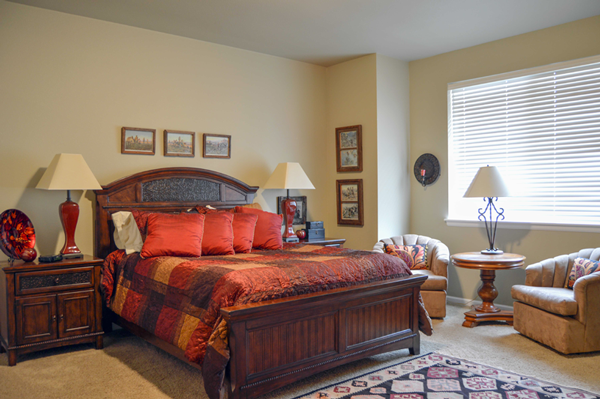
(36, 319)
(76, 313)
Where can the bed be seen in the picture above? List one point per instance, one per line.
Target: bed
(275, 342)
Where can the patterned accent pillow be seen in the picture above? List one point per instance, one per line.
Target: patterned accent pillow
(415, 256)
(582, 267)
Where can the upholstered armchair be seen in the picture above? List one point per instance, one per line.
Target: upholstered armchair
(565, 319)
(433, 290)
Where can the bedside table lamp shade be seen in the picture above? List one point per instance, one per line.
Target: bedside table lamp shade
(488, 183)
(69, 172)
(286, 176)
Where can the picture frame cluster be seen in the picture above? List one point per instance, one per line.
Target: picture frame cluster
(350, 209)
(348, 145)
(176, 143)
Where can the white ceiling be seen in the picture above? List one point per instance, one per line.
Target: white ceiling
(326, 32)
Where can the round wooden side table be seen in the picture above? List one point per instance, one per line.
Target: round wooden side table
(487, 264)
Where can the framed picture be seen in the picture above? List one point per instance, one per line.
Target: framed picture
(300, 216)
(179, 144)
(350, 202)
(348, 145)
(216, 146)
(135, 140)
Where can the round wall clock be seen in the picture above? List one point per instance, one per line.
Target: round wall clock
(427, 169)
(16, 233)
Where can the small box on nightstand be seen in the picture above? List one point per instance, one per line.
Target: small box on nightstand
(314, 225)
(315, 234)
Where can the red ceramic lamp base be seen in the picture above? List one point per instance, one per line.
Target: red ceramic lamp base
(289, 210)
(69, 213)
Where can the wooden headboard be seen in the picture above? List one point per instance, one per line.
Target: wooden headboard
(164, 190)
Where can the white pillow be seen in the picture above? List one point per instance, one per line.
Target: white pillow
(127, 235)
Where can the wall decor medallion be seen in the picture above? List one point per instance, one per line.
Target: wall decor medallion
(350, 202)
(427, 169)
(179, 143)
(300, 215)
(17, 234)
(135, 140)
(348, 145)
(216, 146)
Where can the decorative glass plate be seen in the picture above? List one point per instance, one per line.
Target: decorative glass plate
(16, 233)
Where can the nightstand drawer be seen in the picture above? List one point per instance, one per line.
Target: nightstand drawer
(54, 280)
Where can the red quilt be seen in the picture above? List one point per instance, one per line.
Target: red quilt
(179, 299)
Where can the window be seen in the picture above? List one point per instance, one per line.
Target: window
(541, 128)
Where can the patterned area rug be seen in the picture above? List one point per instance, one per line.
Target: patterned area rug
(435, 376)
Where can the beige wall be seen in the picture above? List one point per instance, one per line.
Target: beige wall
(69, 83)
(352, 100)
(393, 162)
(429, 78)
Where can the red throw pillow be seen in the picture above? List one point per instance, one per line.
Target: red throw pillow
(173, 235)
(218, 234)
(141, 219)
(244, 225)
(267, 234)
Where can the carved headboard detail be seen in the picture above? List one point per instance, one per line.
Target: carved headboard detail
(164, 190)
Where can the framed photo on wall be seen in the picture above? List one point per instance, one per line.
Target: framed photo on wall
(135, 140)
(350, 202)
(179, 144)
(300, 216)
(348, 145)
(216, 146)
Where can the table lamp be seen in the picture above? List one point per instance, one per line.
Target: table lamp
(289, 175)
(69, 172)
(488, 183)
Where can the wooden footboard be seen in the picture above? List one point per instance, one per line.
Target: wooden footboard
(278, 342)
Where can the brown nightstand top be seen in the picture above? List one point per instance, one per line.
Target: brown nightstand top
(21, 266)
(324, 241)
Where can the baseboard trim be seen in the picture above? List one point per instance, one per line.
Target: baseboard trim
(464, 301)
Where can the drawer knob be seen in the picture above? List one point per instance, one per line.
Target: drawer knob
(56, 280)
(62, 317)
(54, 318)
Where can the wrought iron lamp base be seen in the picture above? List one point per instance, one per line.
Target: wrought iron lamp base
(492, 252)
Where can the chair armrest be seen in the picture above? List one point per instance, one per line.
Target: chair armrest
(440, 257)
(587, 295)
(379, 247)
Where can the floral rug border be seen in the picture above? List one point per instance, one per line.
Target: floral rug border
(374, 378)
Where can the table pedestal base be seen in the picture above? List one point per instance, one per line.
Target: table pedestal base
(474, 317)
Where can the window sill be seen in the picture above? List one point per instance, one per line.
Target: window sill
(579, 228)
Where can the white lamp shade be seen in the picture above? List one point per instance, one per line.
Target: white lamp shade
(487, 182)
(68, 172)
(289, 175)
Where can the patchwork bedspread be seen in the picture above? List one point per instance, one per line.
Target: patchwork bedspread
(179, 299)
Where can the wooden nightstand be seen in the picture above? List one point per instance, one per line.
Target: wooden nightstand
(45, 305)
(328, 242)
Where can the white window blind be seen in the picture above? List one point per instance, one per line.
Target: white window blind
(542, 131)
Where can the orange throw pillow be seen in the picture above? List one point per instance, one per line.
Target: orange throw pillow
(267, 234)
(244, 225)
(218, 234)
(415, 256)
(173, 235)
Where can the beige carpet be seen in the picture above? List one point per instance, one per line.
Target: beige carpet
(130, 368)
